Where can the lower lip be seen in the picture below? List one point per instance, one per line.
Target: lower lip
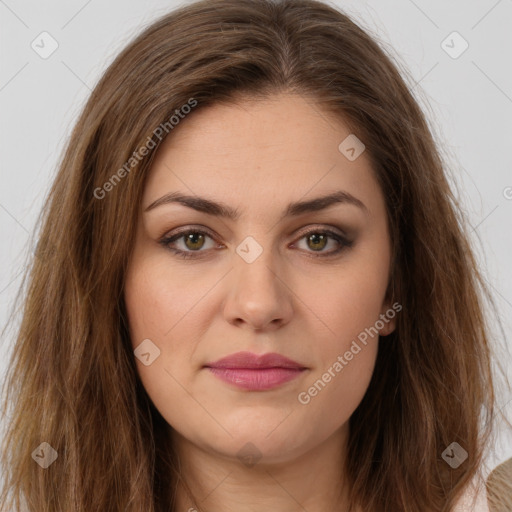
(256, 380)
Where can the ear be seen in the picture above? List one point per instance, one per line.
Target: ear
(389, 311)
(387, 318)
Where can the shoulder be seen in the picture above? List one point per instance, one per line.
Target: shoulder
(499, 487)
(474, 499)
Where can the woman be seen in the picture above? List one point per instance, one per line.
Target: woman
(253, 288)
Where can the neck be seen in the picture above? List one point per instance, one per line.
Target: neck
(312, 480)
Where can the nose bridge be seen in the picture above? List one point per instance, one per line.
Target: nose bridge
(255, 266)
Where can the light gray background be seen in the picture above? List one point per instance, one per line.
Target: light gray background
(468, 101)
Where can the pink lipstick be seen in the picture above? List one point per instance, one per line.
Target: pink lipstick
(256, 372)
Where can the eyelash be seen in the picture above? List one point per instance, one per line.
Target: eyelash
(166, 240)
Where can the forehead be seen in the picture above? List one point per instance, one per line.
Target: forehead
(260, 152)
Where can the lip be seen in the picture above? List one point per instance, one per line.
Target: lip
(249, 360)
(256, 372)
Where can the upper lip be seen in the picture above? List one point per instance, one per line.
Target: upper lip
(250, 360)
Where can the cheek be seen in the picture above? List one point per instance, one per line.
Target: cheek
(350, 300)
(158, 298)
(345, 363)
(163, 314)
(346, 345)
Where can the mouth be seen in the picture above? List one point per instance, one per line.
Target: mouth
(256, 372)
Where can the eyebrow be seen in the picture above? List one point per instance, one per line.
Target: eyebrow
(294, 209)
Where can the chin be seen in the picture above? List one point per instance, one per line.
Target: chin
(252, 447)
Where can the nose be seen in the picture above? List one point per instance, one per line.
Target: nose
(258, 296)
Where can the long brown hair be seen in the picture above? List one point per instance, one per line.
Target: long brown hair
(72, 380)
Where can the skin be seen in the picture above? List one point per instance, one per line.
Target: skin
(258, 156)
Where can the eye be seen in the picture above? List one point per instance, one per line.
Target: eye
(318, 239)
(193, 240)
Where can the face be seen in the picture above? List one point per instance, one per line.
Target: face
(304, 282)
